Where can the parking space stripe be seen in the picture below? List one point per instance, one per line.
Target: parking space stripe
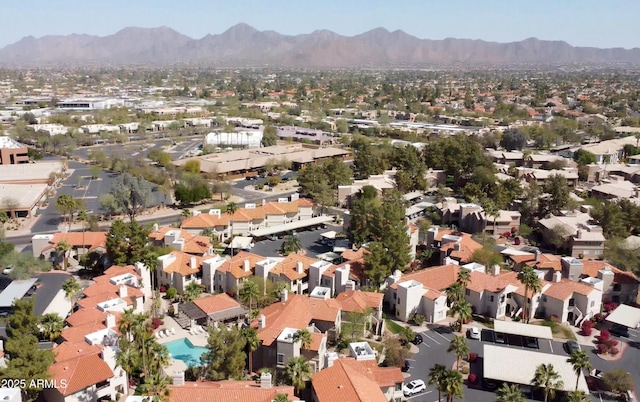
(432, 339)
(447, 339)
(551, 345)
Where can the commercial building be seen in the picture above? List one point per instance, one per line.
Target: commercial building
(12, 152)
(24, 186)
(237, 139)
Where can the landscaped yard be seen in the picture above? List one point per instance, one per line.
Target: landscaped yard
(558, 330)
(393, 327)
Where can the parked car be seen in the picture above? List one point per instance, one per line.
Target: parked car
(619, 330)
(7, 270)
(417, 340)
(414, 387)
(597, 374)
(489, 385)
(500, 338)
(572, 346)
(406, 366)
(530, 342)
(474, 333)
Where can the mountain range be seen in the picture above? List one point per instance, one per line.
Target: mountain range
(244, 46)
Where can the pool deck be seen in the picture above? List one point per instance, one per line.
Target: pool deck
(197, 340)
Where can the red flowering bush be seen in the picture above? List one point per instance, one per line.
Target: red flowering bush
(604, 336)
(155, 323)
(163, 289)
(587, 328)
(473, 357)
(613, 351)
(473, 378)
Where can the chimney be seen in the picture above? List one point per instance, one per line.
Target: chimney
(264, 202)
(496, 270)
(122, 291)
(456, 247)
(350, 285)
(284, 295)
(178, 378)
(155, 227)
(192, 263)
(110, 321)
(579, 234)
(300, 267)
(265, 380)
(246, 266)
(262, 321)
(537, 255)
(557, 276)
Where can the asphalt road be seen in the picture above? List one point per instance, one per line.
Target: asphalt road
(309, 240)
(434, 351)
(142, 147)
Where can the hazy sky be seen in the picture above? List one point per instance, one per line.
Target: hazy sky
(611, 23)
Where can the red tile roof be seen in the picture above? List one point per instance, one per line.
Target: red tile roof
(566, 288)
(591, 268)
(545, 261)
(215, 303)
(235, 266)
(232, 391)
(289, 266)
(437, 278)
(358, 301)
(73, 350)
(193, 244)
(182, 264)
(75, 239)
(466, 249)
(80, 373)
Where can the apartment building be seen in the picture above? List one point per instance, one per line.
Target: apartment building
(181, 240)
(455, 245)
(582, 237)
(178, 269)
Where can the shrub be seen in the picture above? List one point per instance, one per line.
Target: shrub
(172, 293)
(163, 289)
(155, 323)
(516, 241)
(554, 319)
(613, 351)
(586, 328)
(604, 336)
(473, 378)
(418, 319)
(601, 349)
(473, 357)
(464, 370)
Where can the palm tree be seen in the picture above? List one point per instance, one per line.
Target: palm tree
(192, 291)
(304, 336)
(157, 385)
(509, 393)
(248, 292)
(83, 217)
(452, 385)
(463, 311)
(490, 209)
(126, 324)
(253, 342)
(51, 325)
(298, 370)
(579, 360)
(460, 348)
(71, 290)
(281, 398)
(232, 207)
(436, 377)
(532, 282)
(408, 334)
(548, 379)
(63, 247)
(464, 277)
(455, 293)
(127, 358)
(291, 244)
(577, 396)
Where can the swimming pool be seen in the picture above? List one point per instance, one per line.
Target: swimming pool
(183, 349)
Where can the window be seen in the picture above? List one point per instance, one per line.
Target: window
(399, 300)
(491, 299)
(398, 386)
(572, 302)
(394, 295)
(467, 292)
(544, 299)
(593, 303)
(280, 358)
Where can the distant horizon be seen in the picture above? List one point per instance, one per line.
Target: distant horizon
(591, 24)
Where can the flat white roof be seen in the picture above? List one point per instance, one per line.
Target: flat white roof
(25, 195)
(291, 226)
(625, 315)
(16, 290)
(329, 235)
(242, 242)
(516, 328)
(518, 366)
(8, 142)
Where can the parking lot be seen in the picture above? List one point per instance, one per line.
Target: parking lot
(310, 240)
(436, 340)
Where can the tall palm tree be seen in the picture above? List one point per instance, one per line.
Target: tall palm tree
(436, 377)
(455, 293)
(577, 396)
(51, 325)
(463, 311)
(232, 207)
(548, 379)
(127, 358)
(532, 282)
(464, 277)
(579, 360)
(298, 370)
(408, 334)
(157, 385)
(452, 385)
(460, 348)
(248, 292)
(509, 393)
(291, 244)
(253, 343)
(63, 247)
(192, 291)
(83, 217)
(304, 336)
(71, 290)
(126, 324)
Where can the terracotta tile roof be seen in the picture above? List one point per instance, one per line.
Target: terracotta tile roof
(78, 333)
(193, 244)
(350, 255)
(316, 341)
(349, 380)
(433, 294)
(356, 269)
(358, 301)
(245, 214)
(566, 288)
(182, 264)
(73, 350)
(484, 282)
(92, 239)
(80, 373)
(117, 270)
(235, 265)
(591, 268)
(545, 261)
(467, 245)
(104, 286)
(232, 391)
(297, 312)
(89, 315)
(215, 303)
(90, 302)
(437, 278)
(288, 266)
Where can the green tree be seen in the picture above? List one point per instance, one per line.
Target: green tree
(377, 266)
(457, 155)
(25, 359)
(132, 194)
(618, 381)
(24, 264)
(51, 326)
(192, 291)
(548, 380)
(108, 203)
(407, 334)
(4, 218)
(63, 248)
(281, 398)
(269, 137)
(304, 337)
(460, 348)
(157, 386)
(225, 357)
(584, 157)
(577, 396)
(192, 166)
(290, 245)
(249, 292)
(463, 311)
(297, 372)
(66, 205)
(558, 198)
(128, 243)
(464, 277)
(579, 360)
(232, 207)
(513, 140)
(71, 290)
(453, 385)
(253, 343)
(437, 374)
(532, 283)
(455, 293)
(509, 393)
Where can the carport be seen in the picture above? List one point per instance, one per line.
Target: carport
(518, 366)
(331, 235)
(516, 328)
(241, 242)
(625, 316)
(287, 227)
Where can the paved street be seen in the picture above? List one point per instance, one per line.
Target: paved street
(434, 351)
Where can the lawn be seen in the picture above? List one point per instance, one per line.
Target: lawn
(393, 327)
(558, 330)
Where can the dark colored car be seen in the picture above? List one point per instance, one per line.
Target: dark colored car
(489, 385)
(417, 340)
(619, 330)
(406, 366)
(530, 342)
(572, 346)
(500, 338)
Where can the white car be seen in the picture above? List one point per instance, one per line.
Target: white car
(414, 387)
(474, 333)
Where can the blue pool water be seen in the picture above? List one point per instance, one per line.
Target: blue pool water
(183, 349)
